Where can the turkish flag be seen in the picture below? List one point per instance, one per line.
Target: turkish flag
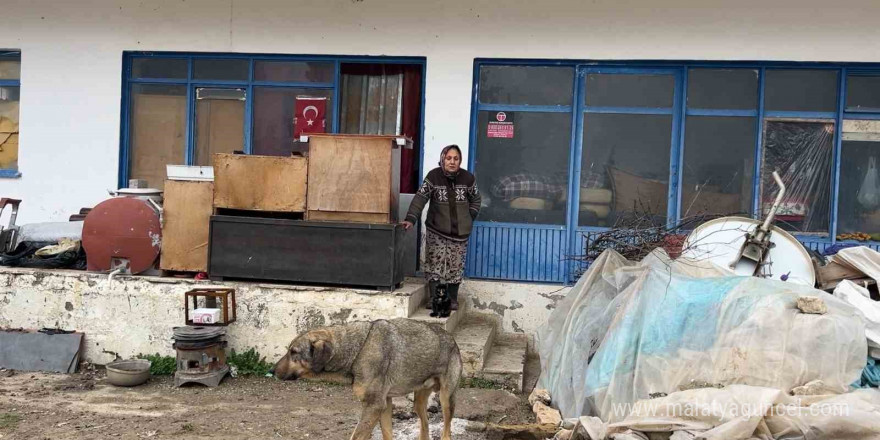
(309, 116)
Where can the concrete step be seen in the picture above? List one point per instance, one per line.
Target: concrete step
(474, 338)
(506, 362)
(449, 324)
(417, 290)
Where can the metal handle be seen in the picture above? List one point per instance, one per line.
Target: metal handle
(772, 214)
(14, 202)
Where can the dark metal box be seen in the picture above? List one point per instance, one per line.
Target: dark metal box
(352, 254)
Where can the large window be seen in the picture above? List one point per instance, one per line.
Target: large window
(627, 138)
(575, 147)
(10, 91)
(181, 109)
(719, 142)
(525, 137)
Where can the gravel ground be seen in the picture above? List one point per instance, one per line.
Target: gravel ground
(85, 406)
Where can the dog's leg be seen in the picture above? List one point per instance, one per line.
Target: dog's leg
(369, 418)
(385, 420)
(447, 402)
(421, 407)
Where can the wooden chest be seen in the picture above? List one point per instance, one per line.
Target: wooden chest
(299, 251)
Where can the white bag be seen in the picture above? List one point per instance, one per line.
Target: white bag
(869, 192)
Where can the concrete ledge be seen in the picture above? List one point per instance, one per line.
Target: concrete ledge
(131, 315)
(521, 307)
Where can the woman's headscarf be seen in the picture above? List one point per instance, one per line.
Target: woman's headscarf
(443, 156)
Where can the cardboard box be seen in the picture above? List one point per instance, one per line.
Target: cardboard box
(205, 316)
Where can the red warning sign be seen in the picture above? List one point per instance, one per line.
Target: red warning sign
(501, 126)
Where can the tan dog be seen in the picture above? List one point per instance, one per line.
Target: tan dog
(385, 359)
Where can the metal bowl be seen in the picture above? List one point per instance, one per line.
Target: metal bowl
(128, 373)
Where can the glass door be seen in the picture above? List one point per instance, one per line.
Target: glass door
(219, 122)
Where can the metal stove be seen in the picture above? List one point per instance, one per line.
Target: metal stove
(201, 355)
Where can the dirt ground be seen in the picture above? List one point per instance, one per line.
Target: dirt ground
(85, 406)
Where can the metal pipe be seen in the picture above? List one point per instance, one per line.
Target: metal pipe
(115, 272)
(765, 227)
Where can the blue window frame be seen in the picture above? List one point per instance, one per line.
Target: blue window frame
(185, 78)
(540, 251)
(10, 87)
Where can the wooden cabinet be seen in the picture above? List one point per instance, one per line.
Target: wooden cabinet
(301, 251)
(260, 183)
(353, 178)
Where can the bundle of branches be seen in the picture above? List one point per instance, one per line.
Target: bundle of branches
(637, 233)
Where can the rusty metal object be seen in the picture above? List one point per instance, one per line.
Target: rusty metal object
(201, 355)
(122, 228)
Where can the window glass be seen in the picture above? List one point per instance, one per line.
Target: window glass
(158, 131)
(624, 167)
(221, 69)
(219, 123)
(801, 152)
(294, 71)
(523, 170)
(858, 208)
(719, 162)
(621, 90)
(274, 109)
(526, 85)
(371, 103)
(863, 93)
(9, 99)
(801, 90)
(735, 89)
(10, 67)
(174, 68)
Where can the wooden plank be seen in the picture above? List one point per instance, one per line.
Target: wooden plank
(260, 183)
(834, 272)
(350, 174)
(394, 197)
(354, 217)
(187, 216)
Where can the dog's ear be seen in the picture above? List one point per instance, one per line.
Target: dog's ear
(322, 350)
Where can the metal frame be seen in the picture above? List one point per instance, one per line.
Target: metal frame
(249, 85)
(679, 111)
(11, 173)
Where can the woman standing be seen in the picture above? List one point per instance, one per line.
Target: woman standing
(454, 204)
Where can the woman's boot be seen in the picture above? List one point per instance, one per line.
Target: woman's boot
(452, 291)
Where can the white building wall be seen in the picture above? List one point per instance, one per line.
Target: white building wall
(72, 56)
